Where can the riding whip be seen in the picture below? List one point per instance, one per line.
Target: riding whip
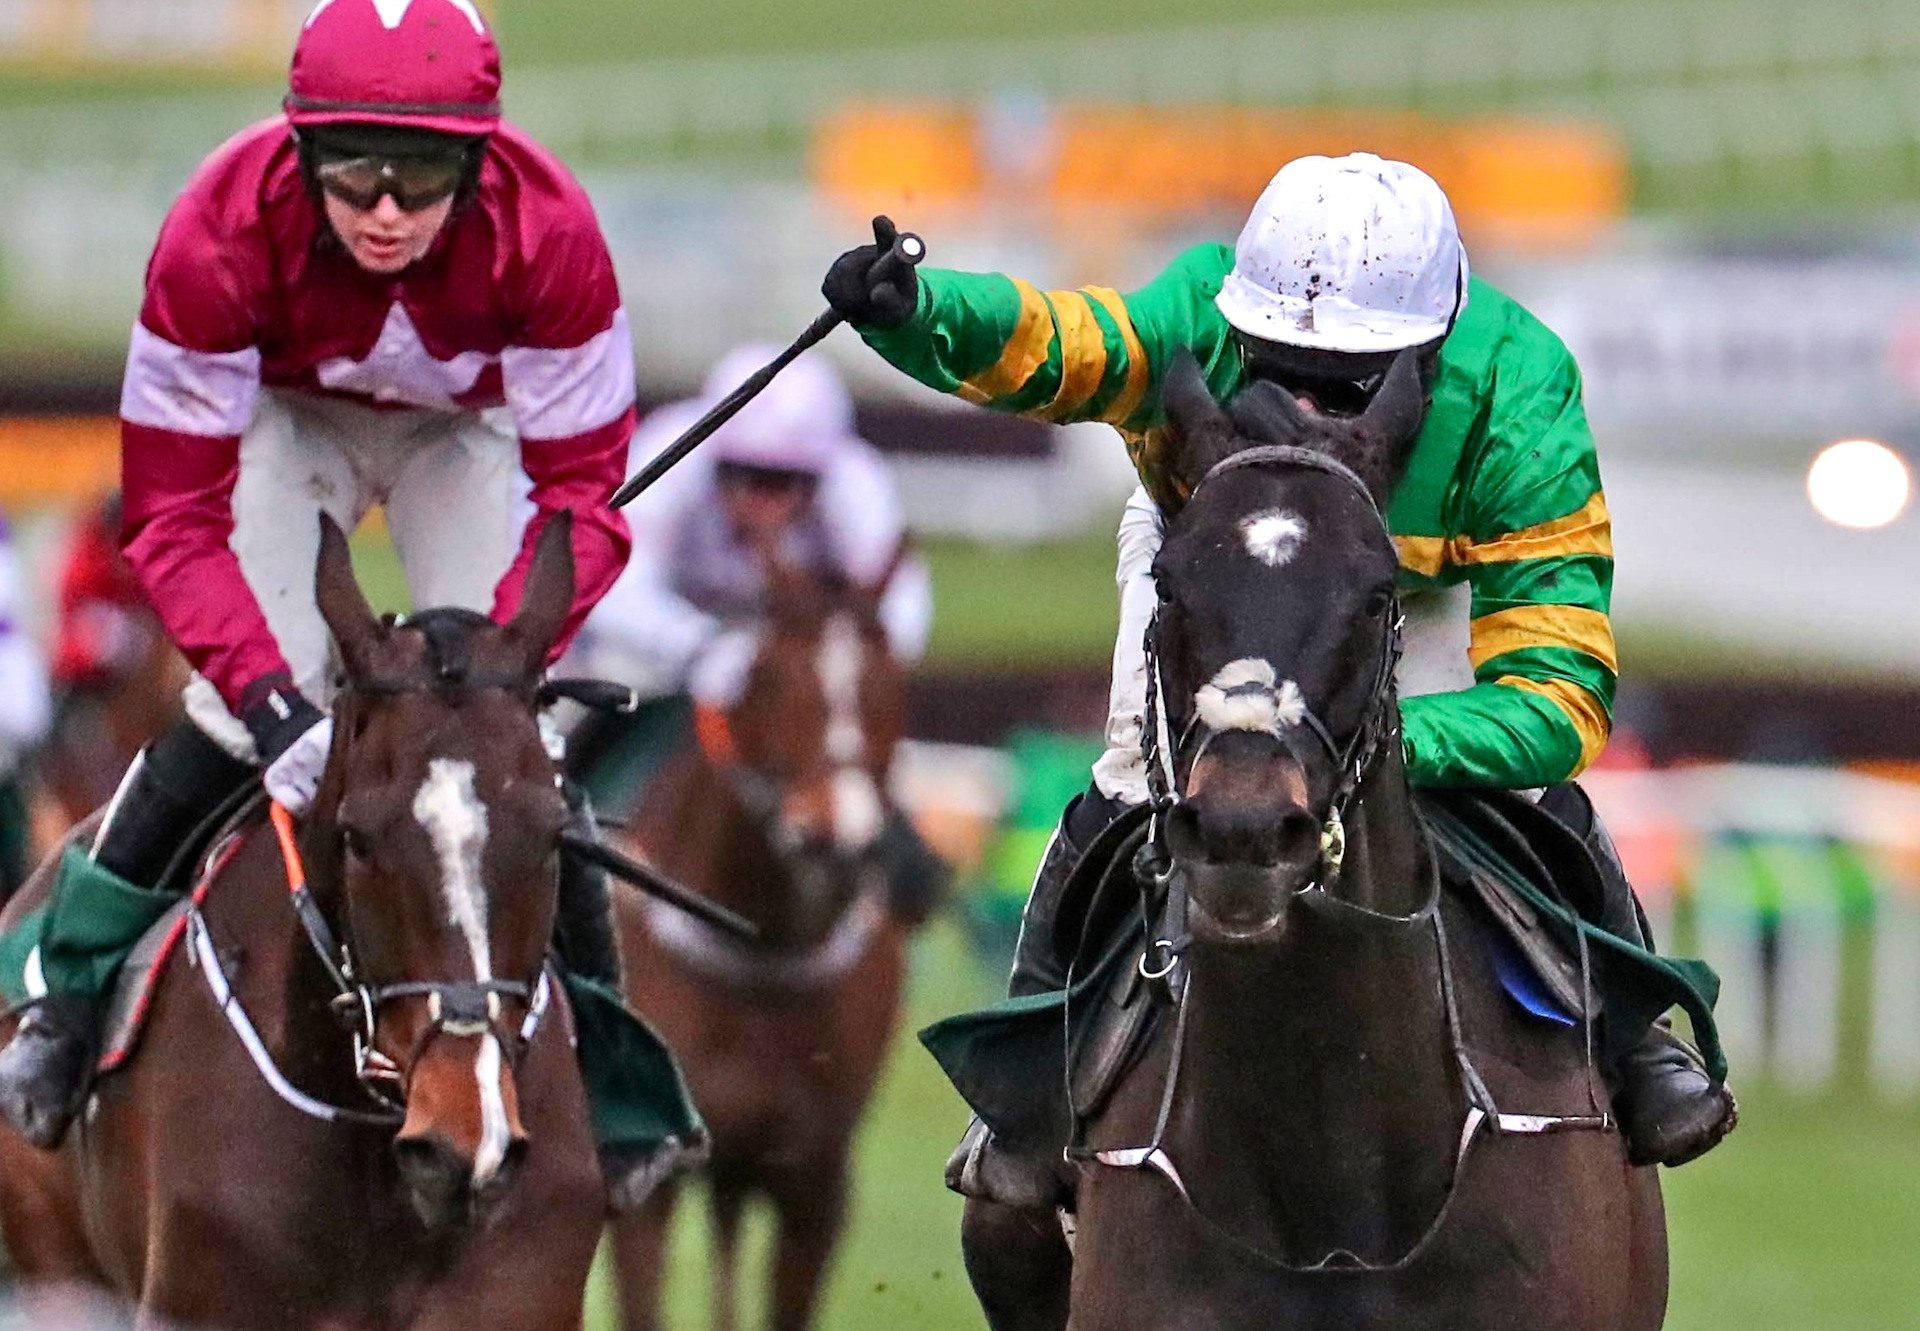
(657, 884)
(908, 250)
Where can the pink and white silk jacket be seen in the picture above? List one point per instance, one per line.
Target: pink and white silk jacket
(515, 304)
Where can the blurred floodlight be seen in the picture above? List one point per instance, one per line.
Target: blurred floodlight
(1859, 483)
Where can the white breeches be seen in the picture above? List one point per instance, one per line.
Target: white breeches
(1434, 659)
(452, 488)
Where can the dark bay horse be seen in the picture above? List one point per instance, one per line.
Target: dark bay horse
(1340, 1120)
(777, 815)
(356, 1108)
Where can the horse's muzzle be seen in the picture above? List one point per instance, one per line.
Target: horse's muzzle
(441, 1184)
(1242, 867)
(462, 1142)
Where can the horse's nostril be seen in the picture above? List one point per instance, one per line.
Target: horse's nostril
(515, 1157)
(429, 1158)
(1297, 838)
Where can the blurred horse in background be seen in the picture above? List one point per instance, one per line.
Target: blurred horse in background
(778, 812)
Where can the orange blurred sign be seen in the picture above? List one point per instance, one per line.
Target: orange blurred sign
(57, 459)
(1518, 182)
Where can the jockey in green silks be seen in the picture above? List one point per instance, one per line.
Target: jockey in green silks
(1505, 543)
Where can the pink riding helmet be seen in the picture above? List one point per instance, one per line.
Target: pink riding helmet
(418, 64)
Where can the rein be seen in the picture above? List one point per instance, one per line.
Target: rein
(743, 962)
(1166, 762)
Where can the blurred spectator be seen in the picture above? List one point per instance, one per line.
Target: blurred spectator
(785, 480)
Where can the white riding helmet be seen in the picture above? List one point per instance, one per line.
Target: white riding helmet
(799, 422)
(1354, 254)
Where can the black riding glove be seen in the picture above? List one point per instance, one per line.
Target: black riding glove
(276, 717)
(867, 299)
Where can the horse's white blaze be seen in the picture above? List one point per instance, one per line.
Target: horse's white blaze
(447, 806)
(494, 1132)
(839, 659)
(1274, 536)
(1249, 695)
(857, 809)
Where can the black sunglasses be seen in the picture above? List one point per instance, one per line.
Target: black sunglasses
(413, 183)
(1333, 394)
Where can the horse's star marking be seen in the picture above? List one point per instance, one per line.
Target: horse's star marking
(1273, 536)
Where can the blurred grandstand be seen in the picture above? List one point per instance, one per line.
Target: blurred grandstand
(1716, 203)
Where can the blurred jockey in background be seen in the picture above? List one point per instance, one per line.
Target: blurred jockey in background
(786, 480)
(25, 711)
(386, 295)
(106, 628)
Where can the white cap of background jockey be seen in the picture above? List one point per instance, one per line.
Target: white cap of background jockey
(1353, 253)
(799, 422)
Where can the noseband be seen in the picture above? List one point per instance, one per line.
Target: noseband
(1167, 765)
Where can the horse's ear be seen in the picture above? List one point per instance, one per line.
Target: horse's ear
(1268, 414)
(546, 598)
(1400, 407)
(1202, 433)
(342, 604)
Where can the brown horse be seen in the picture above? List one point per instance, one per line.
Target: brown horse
(356, 1107)
(1341, 1121)
(778, 817)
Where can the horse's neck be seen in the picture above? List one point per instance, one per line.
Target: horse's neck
(1319, 1090)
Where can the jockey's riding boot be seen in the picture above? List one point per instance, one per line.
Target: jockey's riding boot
(917, 878)
(99, 906)
(1670, 1110)
(981, 1166)
(583, 930)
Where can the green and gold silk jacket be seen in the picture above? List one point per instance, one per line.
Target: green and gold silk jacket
(1502, 489)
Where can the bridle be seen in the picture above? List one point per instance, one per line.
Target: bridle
(1168, 763)
(456, 1008)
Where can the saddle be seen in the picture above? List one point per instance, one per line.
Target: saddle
(1528, 876)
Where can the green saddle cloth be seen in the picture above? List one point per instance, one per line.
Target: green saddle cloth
(77, 942)
(1637, 986)
(634, 1085)
(1010, 1061)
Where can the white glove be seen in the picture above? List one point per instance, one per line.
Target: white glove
(294, 776)
(718, 675)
